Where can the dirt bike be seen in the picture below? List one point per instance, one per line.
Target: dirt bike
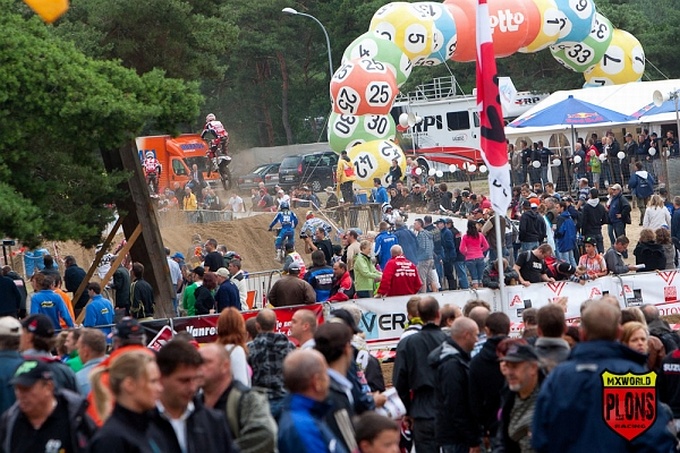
(219, 159)
(152, 182)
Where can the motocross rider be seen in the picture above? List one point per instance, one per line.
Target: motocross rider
(289, 222)
(152, 168)
(213, 126)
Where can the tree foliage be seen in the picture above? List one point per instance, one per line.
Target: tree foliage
(58, 110)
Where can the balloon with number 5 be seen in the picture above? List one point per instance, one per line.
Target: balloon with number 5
(406, 26)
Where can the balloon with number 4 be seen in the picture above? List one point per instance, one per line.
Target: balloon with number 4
(373, 160)
(379, 48)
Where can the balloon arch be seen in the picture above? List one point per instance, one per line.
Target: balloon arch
(403, 35)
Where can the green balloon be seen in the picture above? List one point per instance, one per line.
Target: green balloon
(581, 56)
(345, 131)
(371, 45)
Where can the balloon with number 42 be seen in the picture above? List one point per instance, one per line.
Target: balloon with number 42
(373, 160)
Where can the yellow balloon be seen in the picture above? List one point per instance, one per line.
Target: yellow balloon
(551, 19)
(623, 62)
(373, 160)
(408, 27)
(48, 10)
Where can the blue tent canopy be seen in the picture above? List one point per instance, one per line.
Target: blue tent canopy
(571, 111)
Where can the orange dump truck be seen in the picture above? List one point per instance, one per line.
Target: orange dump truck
(177, 156)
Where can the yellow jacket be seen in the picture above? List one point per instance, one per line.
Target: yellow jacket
(340, 172)
(190, 203)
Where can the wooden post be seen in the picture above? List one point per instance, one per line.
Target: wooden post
(136, 208)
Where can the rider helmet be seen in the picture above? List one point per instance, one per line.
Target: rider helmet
(386, 207)
(210, 117)
(149, 154)
(283, 206)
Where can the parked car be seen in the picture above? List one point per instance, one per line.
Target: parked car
(267, 173)
(316, 170)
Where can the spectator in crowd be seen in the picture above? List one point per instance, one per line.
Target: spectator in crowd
(238, 278)
(247, 411)
(11, 300)
(380, 195)
(333, 341)
(532, 229)
(619, 211)
(425, 256)
(565, 234)
(121, 285)
(668, 382)
(205, 302)
(365, 273)
(291, 290)
(660, 328)
(189, 294)
(641, 184)
(530, 265)
(455, 426)
(343, 287)
(37, 340)
(448, 314)
(99, 312)
(663, 238)
(44, 417)
(227, 294)
(675, 220)
(141, 294)
(635, 336)
(414, 323)
(320, 276)
(415, 381)
(302, 427)
(400, 276)
(377, 434)
(448, 252)
(71, 358)
(473, 246)
(614, 257)
(182, 419)
(491, 276)
(383, 243)
(486, 379)
(73, 277)
(135, 384)
(21, 286)
(320, 242)
(594, 263)
(551, 348)
(48, 303)
(231, 333)
(656, 215)
(91, 347)
(10, 359)
(407, 240)
(594, 215)
(267, 352)
(567, 389)
(56, 287)
(303, 327)
(214, 259)
(648, 254)
(520, 366)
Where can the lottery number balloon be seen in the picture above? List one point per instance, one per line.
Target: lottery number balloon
(552, 20)
(444, 36)
(346, 131)
(579, 17)
(371, 45)
(406, 26)
(373, 160)
(623, 62)
(581, 56)
(363, 86)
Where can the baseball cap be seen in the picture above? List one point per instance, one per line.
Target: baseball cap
(39, 325)
(293, 267)
(520, 353)
(10, 326)
(441, 220)
(305, 188)
(616, 187)
(128, 327)
(178, 255)
(448, 220)
(565, 268)
(199, 270)
(534, 206)
(416, 186)
(30, 372)
(222, 272)
(590, 241)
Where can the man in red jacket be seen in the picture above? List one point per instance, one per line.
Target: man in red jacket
(343, 287)
(400, 277)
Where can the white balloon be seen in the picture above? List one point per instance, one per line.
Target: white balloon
(621, 155)
(419, 171)
(536, 164)
(419, 119)
(403, 120)
(556, 163)
(602, 157)
(577, 159)
(439, 173)
(652, 151)
(453, 168)
(432, 172)
(472, 168)
(483, 169)
(666, 152)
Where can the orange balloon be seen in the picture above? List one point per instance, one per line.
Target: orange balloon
(534, 21)
(511, 23)
(48, 10)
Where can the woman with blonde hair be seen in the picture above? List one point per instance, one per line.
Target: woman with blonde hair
(656, 215)
(134, 380)
(231, 333)
(635, 336)
(663, 238)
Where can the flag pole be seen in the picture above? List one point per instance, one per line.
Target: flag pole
(499, 251)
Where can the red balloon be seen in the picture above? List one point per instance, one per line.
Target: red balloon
(363, 86)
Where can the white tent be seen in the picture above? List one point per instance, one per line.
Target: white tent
(626, 99)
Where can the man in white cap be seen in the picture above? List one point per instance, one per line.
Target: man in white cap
(10, 359)
(227, 294)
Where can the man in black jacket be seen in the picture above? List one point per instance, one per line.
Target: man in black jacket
(142, 303)
(202, 430)
(21, 287)
(455, 428)
(486, 379)
(532, 228)
(415, 381)
(594, 215)
(73, 276)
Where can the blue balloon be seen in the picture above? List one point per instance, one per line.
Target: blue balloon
(580, 15)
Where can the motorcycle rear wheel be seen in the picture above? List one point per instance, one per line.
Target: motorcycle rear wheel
(225, 176)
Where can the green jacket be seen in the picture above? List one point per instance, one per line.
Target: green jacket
(188, 299)
(365, 273)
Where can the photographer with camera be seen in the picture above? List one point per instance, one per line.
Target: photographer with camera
(320, 242)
